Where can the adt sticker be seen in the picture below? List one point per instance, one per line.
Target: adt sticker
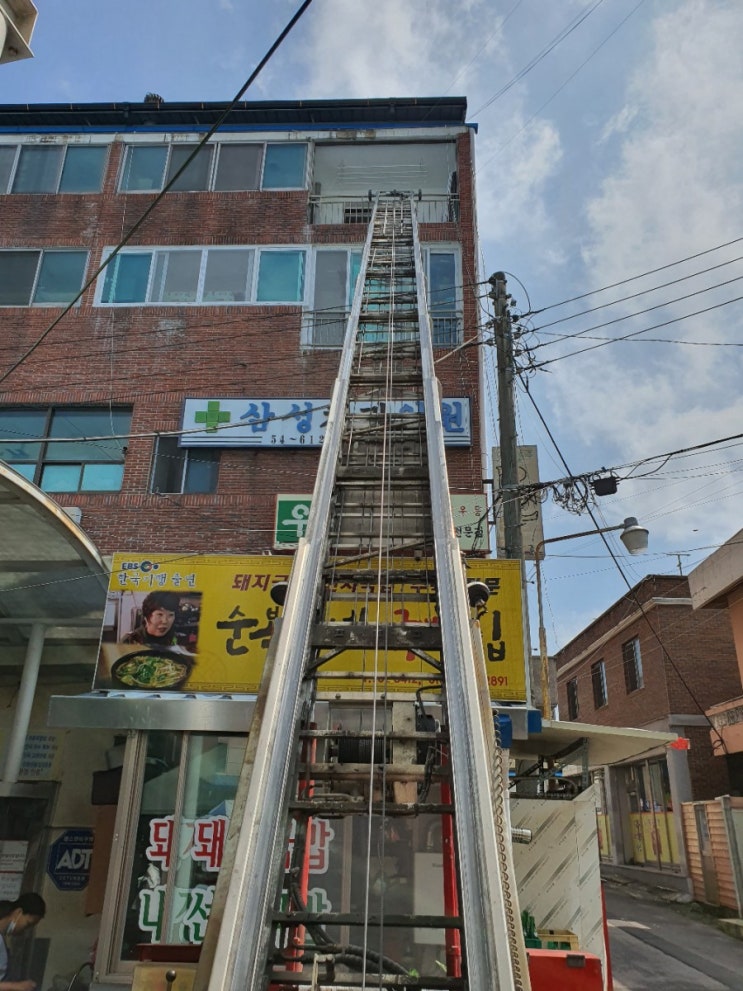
(68, 863)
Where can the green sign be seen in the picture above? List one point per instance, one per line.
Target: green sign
(292, 514)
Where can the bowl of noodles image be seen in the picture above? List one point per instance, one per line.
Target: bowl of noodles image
(158, 670)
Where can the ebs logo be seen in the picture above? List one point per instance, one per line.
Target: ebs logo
(144, 566)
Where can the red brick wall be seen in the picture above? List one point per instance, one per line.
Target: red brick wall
(709, 774)
(688, 664)
(151, 358)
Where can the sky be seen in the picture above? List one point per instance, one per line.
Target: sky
(609, 189)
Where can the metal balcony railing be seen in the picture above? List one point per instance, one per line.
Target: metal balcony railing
(431, 209)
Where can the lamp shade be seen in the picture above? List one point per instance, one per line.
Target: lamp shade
(634, 537)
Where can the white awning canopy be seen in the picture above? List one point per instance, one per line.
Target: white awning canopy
(51, 573)
(604, 744)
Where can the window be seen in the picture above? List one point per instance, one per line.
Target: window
(572, 688)
(335, 282)
(284, 166)
(239, 167)
(53, 168)
(205, 276)
(442, 296)
(182, 469)
(67, 465)
(335, 274)
(281, 277)
(632, 665)
(598, 680)
(40, 277)
(223, 166)
(176, 838)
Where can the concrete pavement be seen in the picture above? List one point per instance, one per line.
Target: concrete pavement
(658, 942)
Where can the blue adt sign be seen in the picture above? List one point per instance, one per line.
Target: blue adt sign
(68, 863)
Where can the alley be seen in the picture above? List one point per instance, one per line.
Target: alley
(658, 945)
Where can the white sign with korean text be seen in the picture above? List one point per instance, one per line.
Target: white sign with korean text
(296, 422)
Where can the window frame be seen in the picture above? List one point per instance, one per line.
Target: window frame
(430, 247)
(571, 689)
(632, 665)
(598, 684)
(44, 460)
(66, 146)
(157, 252)
(41, 254)
(187, 457)
(112, 961)
(215, 149)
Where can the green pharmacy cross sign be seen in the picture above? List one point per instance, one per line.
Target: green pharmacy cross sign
(212, 416)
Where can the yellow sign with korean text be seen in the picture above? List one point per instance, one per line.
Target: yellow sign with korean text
(195, 623)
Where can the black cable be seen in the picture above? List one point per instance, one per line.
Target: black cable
(636, 333)
(560, 88)
(631, 592)
(633, 278)
(197, 147)
(629, 316)
(636, 295)
(559, 37)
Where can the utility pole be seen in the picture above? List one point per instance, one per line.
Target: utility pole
(506, 419)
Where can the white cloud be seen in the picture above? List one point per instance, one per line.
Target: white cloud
(418, 48)
(676, 189)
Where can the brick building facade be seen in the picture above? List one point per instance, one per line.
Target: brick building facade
(140, 357)
(651, 661)
(235, 288)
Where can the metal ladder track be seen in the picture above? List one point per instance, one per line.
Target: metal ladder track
(381, 497)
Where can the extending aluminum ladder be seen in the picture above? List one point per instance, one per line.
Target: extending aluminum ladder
(403, 771)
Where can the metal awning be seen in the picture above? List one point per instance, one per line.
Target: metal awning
(604, 744)
(51, 573)
(174, 711)
(232, 713)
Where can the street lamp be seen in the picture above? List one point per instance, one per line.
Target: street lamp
(635, 539)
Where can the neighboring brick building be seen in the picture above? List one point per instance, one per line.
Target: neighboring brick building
(717, 588)
(651, 662)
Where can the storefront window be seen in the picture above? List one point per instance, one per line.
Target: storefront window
(179, 789)
(188, 787)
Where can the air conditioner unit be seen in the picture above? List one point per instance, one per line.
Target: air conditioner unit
(17, 21)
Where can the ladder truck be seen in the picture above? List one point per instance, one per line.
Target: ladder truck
(412, 783)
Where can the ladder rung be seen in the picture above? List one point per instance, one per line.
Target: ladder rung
(391, 637)
(325, 809)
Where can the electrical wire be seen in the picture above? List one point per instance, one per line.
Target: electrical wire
(550, 47)
(630, 316)
(158, 198)
(636, 333)
(634, 278)
(560, 88)
(632, 592)
(643, 292)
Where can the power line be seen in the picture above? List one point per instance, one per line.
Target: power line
(630, 316)
(560, 88)
(633, 278)
(627, 337)
(631, 591)
(197, 147)
(559, 37)
(625, 299)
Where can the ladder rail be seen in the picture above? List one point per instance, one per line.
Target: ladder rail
(245, 930)
(483, 906)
